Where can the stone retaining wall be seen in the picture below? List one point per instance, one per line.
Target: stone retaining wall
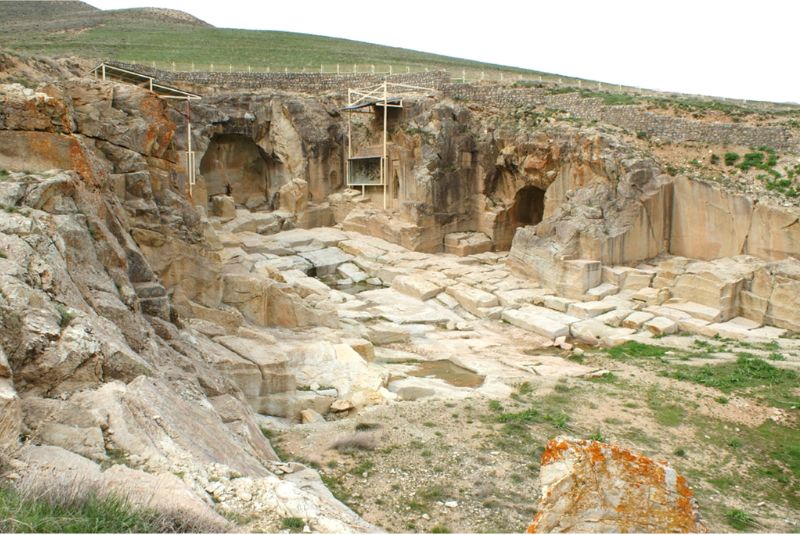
(631, 117)
(293, 81)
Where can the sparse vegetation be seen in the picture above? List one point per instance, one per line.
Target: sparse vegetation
(293, 524)
(84, 514)
(635, 350)
(738, 519)
(65, 315)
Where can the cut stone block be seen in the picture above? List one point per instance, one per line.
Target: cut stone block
(447, 300)
(652, 296)
(467, 243)
(325, 261)
(636, 320)
(520, 296)
(695, 326)
(351, 271)
(695, 310)
(603, 290)
(589, 309)
(557, 303)
(672, 313)
(744, 323)
(536, 323)
(614, 318)
(472, 298)
(415, 286)
(595, 332)
(661, 325)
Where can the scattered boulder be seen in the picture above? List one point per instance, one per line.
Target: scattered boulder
(593, 487)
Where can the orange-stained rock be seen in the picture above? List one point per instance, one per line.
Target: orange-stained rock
(593, 487)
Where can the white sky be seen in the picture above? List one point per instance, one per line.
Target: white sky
(734, 49)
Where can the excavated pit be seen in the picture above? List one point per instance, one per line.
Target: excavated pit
(236, 160)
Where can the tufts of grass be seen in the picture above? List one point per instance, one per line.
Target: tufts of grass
(366, 426)
(87, 513)
(747, 376)
(293, 524)
(634, 350)
(738, 519)
(65, 315)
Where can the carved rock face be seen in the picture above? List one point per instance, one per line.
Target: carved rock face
(589, 486)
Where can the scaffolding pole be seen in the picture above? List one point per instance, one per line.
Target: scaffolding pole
(383, 159)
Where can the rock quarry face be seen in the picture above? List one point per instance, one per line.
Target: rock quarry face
(156, 328)
(592, 487)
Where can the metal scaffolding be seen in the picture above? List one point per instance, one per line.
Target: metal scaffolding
(385, 95)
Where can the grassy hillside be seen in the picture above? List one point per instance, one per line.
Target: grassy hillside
(164, 37)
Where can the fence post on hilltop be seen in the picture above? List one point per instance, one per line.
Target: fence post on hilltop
(390, 70)
(249, 70)
(408, 69)
(463, 76)
(483, 76)
(372, 67)
(173, 66)
(501, 77)
(286, 69)
(193, 66)
(211, 67)
(540, 78)
(355, 68)
(320, 68)
(230, 68)
(599, 86)
(268, 68)
(337, 68)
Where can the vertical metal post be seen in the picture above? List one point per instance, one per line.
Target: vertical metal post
(150, 80)
(349, 136)
(189, 162)
(383, 160)
(104, 71)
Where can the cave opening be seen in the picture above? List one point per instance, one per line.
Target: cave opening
(528, 207)
(235, 159)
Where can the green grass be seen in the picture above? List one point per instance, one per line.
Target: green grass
(746, 376)
(87, 515)
(635, 350)
(738, 519)
(65, 315)
(293, 524)
(128, 36)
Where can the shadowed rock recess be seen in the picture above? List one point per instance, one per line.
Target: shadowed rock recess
(153, 335)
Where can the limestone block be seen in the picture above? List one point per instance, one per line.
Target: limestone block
(592, 487)
(636, 279)
(447, 300)
(520, 296)
(712, 286)
(695, 310)
(223, 207)
(589, 309)
(540, 320)
(774, 233)
(652, 296)
(472, 298)
(661, 325)
(595, 332)
(667, 312)
(416, 286)
(600, 291)
(362, 347)
(351, 271)
(578, 277)
(310, 416)
(700, 209)
(696, 326)
(557, 303)
(325, 261)
(636, 320)
(283, 263)
(467, 243)
(384, 333)
(784, 305)
(615, 317)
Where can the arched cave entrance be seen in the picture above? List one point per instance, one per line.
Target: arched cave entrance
(528, 207)
(235, 159)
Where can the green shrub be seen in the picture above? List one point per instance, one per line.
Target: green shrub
(714, 159)
(293, 524)
(731, 158)
(65, 314)
(738, 519)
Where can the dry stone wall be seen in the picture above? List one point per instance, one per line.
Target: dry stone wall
(293, 81)
(632, 117)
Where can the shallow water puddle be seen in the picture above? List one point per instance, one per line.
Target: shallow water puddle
(448, 372)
